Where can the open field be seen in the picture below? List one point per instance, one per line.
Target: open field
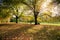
(29, 32)
(56, 24)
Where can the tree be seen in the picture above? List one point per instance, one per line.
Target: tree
(4, 14)
(17, 11)
(34, 5)
(46, 16)
(58, 1)
(16, 14)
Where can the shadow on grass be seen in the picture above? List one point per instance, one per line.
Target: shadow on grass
(16, 32)
(46, 33)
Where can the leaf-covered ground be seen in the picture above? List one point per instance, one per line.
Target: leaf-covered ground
(29, 32)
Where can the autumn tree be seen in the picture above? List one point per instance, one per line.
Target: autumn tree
(15, 11)
(34, 5)
(4, 14)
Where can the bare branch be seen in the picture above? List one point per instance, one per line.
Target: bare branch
(27, 5)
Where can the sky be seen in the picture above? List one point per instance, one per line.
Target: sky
(0, 2)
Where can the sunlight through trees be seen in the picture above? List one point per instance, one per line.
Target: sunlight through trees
(29, 8)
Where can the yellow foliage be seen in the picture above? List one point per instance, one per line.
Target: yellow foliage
(27, 18)
(38, 5)
(50, 6)
(39, 19)
(47, 13)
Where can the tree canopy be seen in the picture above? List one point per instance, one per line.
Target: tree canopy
(35, 6)
(58, 1)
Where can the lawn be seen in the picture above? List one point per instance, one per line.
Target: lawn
(29, 32)
(56, 24)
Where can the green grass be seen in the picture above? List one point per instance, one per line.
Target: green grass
(56, 24)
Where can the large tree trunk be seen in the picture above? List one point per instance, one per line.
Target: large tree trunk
(35, 20)
(17, 16)
(16, 19)
(35, 17)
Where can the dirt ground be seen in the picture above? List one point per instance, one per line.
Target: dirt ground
(22, 31)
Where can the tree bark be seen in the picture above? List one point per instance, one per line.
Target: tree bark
(36, 20)
(35, 17)
(16, 19)
(17, 16)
